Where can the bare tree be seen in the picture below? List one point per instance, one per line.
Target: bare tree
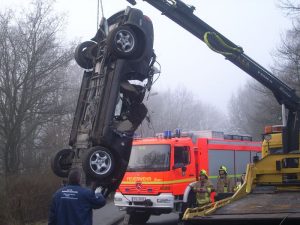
(290, 7)
(179, 108)
(32, 66)
(254, 106)
(54, 135)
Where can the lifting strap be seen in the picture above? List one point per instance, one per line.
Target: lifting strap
(217, 44)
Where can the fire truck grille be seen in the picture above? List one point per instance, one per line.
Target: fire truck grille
(140, 189)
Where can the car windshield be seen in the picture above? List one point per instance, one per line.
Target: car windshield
(149, 158)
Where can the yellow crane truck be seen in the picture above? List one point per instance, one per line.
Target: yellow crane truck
(271, 191)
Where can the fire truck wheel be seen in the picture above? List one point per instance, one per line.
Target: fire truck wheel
(191, 203)
(183, 223)
(139, 217)
(98, 162)
(84, 54)
(61, 163)
(122, 42)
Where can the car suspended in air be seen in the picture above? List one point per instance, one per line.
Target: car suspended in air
(119, 69)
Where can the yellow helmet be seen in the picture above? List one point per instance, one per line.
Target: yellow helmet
(223, 168)
(203, 172)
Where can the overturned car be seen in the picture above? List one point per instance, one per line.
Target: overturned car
(119, 69)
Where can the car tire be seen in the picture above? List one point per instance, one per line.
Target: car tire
(61, 163)
(122, 42)
(84, 57)
(139, 218)
(98, 162)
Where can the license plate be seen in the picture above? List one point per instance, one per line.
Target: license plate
(138, 199)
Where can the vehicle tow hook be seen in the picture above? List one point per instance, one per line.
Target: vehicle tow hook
(148, 202)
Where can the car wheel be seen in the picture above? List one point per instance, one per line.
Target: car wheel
(84, 54)
(122, 42)
(61, 163)
(98, 162)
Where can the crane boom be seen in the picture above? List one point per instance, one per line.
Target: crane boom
(183, 15)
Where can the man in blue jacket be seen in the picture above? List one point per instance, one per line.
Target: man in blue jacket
(73, 204)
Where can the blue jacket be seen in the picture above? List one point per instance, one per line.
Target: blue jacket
(73, 205)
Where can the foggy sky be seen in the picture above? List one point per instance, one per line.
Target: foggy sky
(255, 25)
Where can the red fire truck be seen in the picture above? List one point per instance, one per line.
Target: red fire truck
(160, 169)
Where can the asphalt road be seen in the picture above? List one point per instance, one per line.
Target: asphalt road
(110, 215)
(165, 219)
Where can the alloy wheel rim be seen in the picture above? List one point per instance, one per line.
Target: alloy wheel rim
(100, 162)
(124, 41)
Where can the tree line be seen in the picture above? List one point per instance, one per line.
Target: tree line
(38, 90)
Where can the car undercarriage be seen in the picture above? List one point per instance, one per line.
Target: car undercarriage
(119, 69)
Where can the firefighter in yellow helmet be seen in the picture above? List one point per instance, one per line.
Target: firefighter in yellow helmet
(240, 183)
(224, 184)
(203, 187)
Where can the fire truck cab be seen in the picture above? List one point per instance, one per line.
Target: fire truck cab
(161, 168)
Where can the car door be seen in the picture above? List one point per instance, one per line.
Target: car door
(184, 172)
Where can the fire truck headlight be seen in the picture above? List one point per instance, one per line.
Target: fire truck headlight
(117, 199)
(164, 200)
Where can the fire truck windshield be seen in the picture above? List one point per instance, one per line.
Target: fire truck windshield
(145, 158)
